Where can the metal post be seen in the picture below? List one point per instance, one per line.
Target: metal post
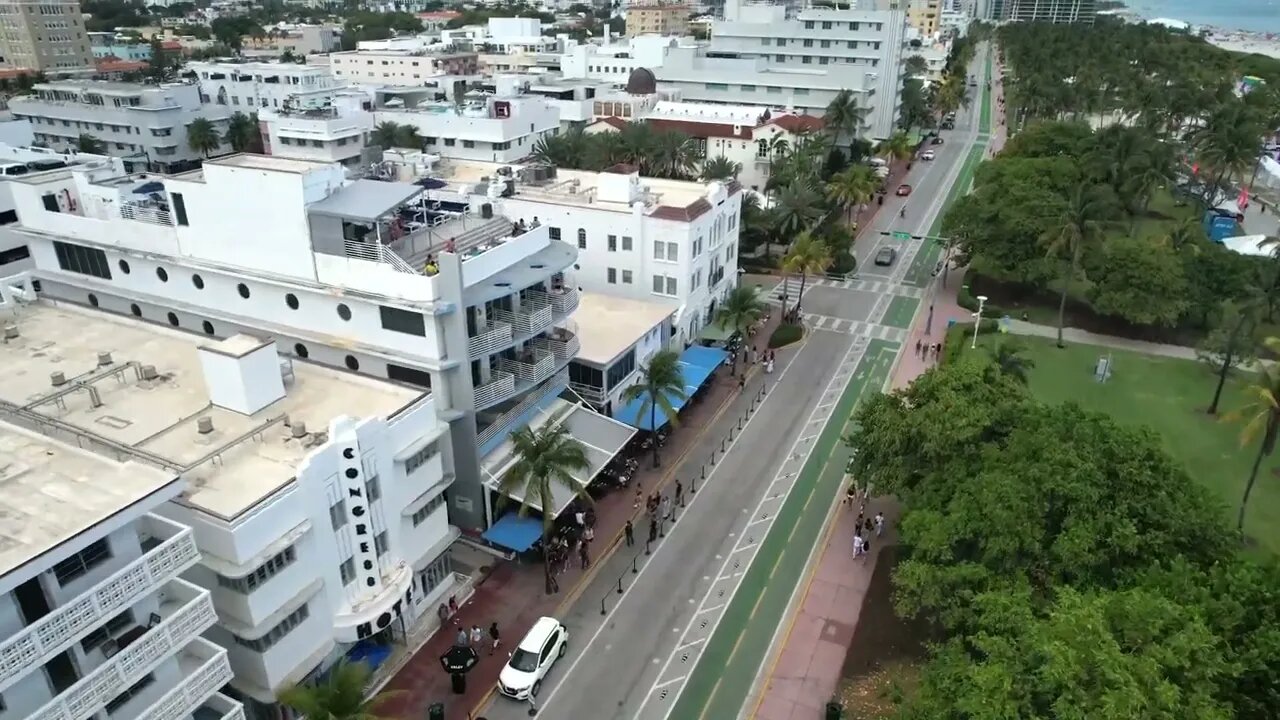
(633, 565)
(619, 584)
(704, 471)
(674, 514)
(693, 482)
(602, 610)
(739, 423)
(730, 436)
(713, 456)
(722, 441)
(647, 550)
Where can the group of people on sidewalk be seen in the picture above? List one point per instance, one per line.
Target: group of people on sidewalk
(864, 526)
(928, 351)
(476, 637)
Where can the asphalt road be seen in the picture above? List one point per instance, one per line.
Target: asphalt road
(705, 589)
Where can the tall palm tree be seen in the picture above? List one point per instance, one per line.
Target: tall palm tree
(1226, 144)
(672, 154)
(1081, 225)
(1262, 422)
(799, 208)
(567, 150)
(544, 457)
(407, 137)
(87, 143)
(202, 136)
(844, 117)
(385, 134)
(897, 147)
(241, 132)
(720, 168)
(854, 186)
(807, 255)
(1009, 359)
(740, 310)
(340, 696)
(660, 382)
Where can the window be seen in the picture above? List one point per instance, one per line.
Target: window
(344, 312)
(261, 574)
(582, 239)
(347, 570)
(468, 143)
(118, 701)
(826, 25)
(351, 362)
(611, 276)
(626, 277)
(173, 319)
(337, 515)
(402, 321)
(207, 326)
(435, 573)
(179, 208)
(300, 350)
(808, 43)
(808, 24)
(243, 290)
(802, 91)
(82, 260)
(420, 458)
(773, 90)
(372, 490)
(621, 369)
(82, 562)
(825, 43)
(781, 42)
(553, 233)
(748, 88)
(197, 281)
(626, 242)
(422, 513)
(806, 60)
(291, 300)
(106, 631)
(277, 633)
(715, 86)
(668, 251)
(413, 376)
(613, 243)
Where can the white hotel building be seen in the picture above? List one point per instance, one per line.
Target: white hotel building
(249, 87)
(335, 413)
(501, 128)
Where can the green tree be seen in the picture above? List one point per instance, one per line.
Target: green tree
(741, 309)
(844, 118)
(720, 168)
(1231, 342)
(807, 255)
(87, 143)
(546, 458)
(853, 187)
(202, 136)
(340, 696)
(670, 154)
(1009, 357)
(897, 147)
(1141, 281)
(1261, 423)
(661, 383)
(798, 208)
(385, 134)
(242, 132)
(1080, 225)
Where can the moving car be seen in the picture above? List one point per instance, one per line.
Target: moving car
(936, 141)
(928, 155)
(522, 676)
(886, 256)
(903, 189)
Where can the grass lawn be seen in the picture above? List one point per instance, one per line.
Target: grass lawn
(1169, 396)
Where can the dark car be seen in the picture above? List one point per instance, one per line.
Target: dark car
(886, 256)
(936, 141)
(903, 190)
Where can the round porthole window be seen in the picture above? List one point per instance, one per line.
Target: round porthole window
(173, 319)
(352, 363)
(291, 300)
(93, 300)
(300, 350)
(243, 290)
(137, 311)
(124, 266)
(162, 274)
(207, 326)
(344, 312)
(197, 281)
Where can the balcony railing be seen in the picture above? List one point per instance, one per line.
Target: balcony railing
(53, 633)
(564, 345)
(128, 666)
(508, 418)
(541, 366)
(150, 214)
(531, 320)
(205, 669)
(589, 393)
(562, 302)
(501, 386)
(379, 253)
(490, 339)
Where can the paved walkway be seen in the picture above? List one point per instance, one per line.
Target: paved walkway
(513, 594)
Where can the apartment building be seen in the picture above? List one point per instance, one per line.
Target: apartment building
(332, 129)
(301, 40)
(111, 45)
(1054, 11)
(96, 619)
(497, 128)
(406, 68)
(250, 86)
(143, 125)
(925, 16)
(47, 37)
(657, 19)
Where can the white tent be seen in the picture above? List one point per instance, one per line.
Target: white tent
(1249, 245)
(1269, 172)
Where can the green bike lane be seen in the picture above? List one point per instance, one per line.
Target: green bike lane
(721, 682)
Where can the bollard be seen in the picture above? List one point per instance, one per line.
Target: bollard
(739, 423)
(704, 472)
(722, 443)
(633, 565)
(730, 434)
(713, 456)
(674, 514)
(662, 528)
(619, 584)
(693, 482)
(646, 548)
(602, 610)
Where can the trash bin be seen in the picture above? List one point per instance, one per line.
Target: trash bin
(459, 683)
(834, 711)
(435, 711)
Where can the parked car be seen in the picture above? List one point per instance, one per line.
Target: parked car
(937, 140)
(885, 256)
(928, 155)
(903, 190)
(522, 676)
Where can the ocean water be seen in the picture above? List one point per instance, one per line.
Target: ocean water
(1255, 15)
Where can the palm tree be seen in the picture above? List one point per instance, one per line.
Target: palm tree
(202, 136)
(897, 147)
(385, 134)
(844, 117)
(798, 208)
(241, 132)
(740, 310)
(660, 382)
(854, 186)
(1081, 224)
(1262, 420)
(720, 168)
(671, 154)
(1226, 144)
(1008, 358)
(87, 143)
(567, 151)
(807, 255)
(407, 137)
(340, 696)
(543, 457)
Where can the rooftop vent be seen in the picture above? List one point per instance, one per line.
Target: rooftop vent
(10, 332)
(104, 359)
(149, 372)
(298, 429)
(57, 378)
(204, 425)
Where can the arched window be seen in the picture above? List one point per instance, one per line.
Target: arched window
(582, 239)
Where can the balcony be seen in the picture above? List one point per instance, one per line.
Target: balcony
(504, 423)
(563, 301)
(185, 612)
(168, 549)
(206, 669)
(501, 386)
(563, 344)
(531, 320)
(490, 339)
(534, 366)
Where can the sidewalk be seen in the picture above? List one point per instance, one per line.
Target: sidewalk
(513, 593)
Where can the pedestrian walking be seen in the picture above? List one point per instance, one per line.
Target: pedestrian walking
(680, 493)
(918, 346)
(589, 534)
(857, 546)
(494, 637)
(630, 533)
(850, 494)
(868, 526)
(768, 367)
(653, 529)
(879, 524)
(866, 547)
(584, 556)
(742, 381)
(639, 494)
(461, 640)
(857, 524)
(477, 635)
(666, 507)
(591, 517)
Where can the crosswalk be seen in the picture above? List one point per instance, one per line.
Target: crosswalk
(857, 328)
(872, 286)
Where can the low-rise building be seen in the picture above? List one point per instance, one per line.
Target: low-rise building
(144, 125)
(332, 129)
(657, 19)
(497, 128)
(412, 67)
(300, 40)
(924, 16)
(106, 44)
(619, 337)
(248, 86)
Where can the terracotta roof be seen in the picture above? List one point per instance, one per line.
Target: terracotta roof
(10, 73)
(612, 121)
(684, 214)
(702, 129)
(171, 45)
(112, 63)
(798, 123)
(622, 169)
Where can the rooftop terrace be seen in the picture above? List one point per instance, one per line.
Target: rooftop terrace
(111, 404)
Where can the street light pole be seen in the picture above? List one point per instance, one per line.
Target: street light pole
(982, 301)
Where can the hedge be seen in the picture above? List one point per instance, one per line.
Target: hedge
(785, 335)
(961, 334)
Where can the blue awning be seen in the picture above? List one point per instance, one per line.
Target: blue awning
(515, 532)
(696, 365)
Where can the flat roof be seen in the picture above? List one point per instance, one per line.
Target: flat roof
(54, 491)
(608, 325)
(159, 417)
(675, 193)
(366, 200)
(267, 162)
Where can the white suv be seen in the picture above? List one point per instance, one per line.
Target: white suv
(545, 643)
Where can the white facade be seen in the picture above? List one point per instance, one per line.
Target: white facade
(333, 130)
(248, 87)
(144, 125)
(502, 128)
(95, 618)
(397, 66)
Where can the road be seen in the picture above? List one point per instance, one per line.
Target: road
(688, 634)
